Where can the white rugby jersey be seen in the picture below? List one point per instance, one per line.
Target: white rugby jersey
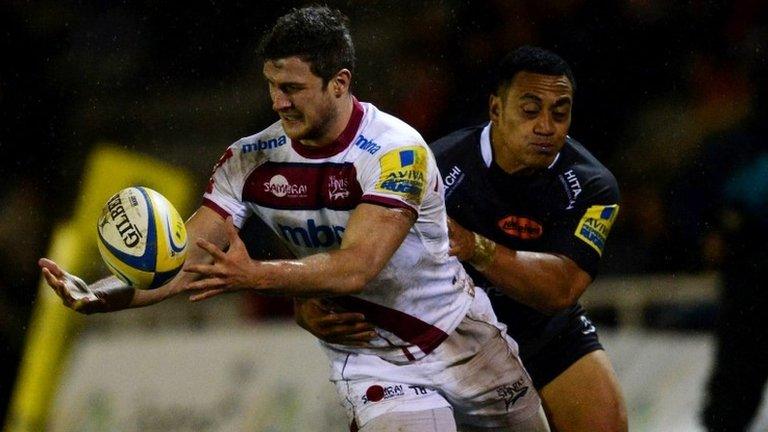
(306, 195)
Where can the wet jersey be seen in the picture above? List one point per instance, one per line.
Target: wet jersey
(306, 195)
(566, 209)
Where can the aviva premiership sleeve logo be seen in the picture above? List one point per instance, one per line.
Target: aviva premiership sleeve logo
(595, 225)
(404, 172)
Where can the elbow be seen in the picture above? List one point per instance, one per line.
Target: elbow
(555, 305)
(360, 271)
(567, 296)
(353, 283)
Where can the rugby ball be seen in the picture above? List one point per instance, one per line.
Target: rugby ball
(141, 237)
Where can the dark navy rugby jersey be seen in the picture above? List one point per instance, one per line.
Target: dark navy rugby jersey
(565, 209)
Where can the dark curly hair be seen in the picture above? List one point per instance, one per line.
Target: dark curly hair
(317, 35)
(530, 59)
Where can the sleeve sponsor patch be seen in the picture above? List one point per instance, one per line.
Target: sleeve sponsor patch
(595, 225)
(404, 173)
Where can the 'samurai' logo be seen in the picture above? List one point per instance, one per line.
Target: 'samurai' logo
(279, 186)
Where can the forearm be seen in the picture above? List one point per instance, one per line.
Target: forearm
(115, 295)
(337, 272)
(544, 281)
(363, 254)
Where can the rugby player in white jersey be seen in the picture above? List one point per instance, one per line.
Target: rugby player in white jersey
(356, 195)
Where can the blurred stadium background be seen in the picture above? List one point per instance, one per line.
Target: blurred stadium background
(658, 82)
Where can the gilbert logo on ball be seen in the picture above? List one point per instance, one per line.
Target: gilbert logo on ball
(142, 238)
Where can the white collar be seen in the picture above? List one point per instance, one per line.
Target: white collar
(487, 152)
(485, 145)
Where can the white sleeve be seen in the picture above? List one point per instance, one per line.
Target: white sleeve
(399, 177)
(224, 193)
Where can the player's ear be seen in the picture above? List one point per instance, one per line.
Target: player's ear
(494, 108)
(339, 84)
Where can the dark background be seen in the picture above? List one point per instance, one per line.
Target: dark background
(656, 80)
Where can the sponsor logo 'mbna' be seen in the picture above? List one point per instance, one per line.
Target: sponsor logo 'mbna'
(368, 145)
(264, 145)
(313, 236)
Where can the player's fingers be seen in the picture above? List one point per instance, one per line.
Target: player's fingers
(205, 295)
(54, 283)
(364, 336)
(202, 269)
(210, 248)
(52, 267)
(206, 284)
(57, 285)
(51, 279)
(361, 339)
(345, 318)
(361, 328)
(332, 321)
(343, 330)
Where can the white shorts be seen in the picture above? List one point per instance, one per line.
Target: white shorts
(476, 372)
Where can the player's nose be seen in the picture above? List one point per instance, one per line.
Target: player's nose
(280, 101)
(545, 125)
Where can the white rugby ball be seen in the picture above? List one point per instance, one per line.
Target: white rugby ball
(142, 238)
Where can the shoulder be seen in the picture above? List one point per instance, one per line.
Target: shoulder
(381, 133)
(382, 125)
(253, 150)
(268, 139)
(458, 141)
(580, 167)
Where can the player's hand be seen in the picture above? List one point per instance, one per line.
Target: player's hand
(232, 270)
(461, 241)
(74, 293)
(345, 328)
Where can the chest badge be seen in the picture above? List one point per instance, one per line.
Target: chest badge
(338, 187)
(521, 227)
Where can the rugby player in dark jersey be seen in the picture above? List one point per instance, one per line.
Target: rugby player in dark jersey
(531, 210)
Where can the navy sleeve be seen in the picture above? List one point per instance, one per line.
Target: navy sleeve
(581, 233)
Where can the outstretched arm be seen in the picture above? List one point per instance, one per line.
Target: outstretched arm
(372, 236)
(547, 282)
(111, 294)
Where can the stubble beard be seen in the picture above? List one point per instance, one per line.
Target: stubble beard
(320, 128)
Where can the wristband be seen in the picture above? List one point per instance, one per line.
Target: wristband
(483, 255)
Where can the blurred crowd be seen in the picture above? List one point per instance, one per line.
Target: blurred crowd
(660, 84)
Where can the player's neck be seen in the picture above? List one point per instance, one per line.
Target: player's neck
(335, 127)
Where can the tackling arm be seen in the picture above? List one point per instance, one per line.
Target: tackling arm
(546, 282)
(372, 236)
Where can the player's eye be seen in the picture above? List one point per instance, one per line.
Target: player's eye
(290, 88)
(531, 109)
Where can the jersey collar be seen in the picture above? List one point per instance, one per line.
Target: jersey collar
(486, 150)
(340, 143)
